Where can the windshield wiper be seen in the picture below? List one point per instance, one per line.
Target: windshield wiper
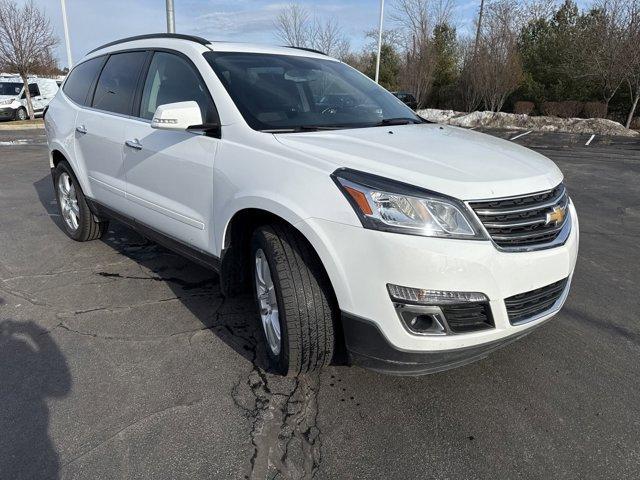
(312, 128)
(304, 128)
(397, 121)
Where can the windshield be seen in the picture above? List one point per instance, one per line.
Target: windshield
(290, 93)
(10, 88)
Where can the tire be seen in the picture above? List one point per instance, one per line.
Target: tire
(86, 226)
(304, 299)
(21, 114)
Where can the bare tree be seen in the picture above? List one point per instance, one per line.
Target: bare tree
(470, 94)
(499, 68)
(329, 38)
(478, 29)
(537, 10)
(47, 66)
(293, 25)
(296, 27)
(492, 68)
(416, 20)
(26, 41)
(601, 54)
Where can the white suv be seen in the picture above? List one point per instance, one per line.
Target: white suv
(361, 228)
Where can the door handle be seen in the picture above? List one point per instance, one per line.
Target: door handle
(81, 129)
(135, 144)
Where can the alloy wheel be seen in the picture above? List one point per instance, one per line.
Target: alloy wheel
(68, 201)
(267, 303)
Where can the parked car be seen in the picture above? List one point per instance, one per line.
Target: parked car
(408, 99)
(361, 228)
(13, 100)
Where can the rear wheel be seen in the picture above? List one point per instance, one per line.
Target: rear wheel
(295, 301)
(78, 221)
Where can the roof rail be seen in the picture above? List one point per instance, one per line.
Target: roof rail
(178, 36)
(312, 50)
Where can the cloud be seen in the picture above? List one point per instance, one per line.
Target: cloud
(95, 22)
(222, 24)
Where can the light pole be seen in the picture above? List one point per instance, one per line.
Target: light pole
(379, 40)
(65, 25)
(171, 17)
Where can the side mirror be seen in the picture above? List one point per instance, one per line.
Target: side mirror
(177, 116)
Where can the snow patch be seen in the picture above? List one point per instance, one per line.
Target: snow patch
(512, 121)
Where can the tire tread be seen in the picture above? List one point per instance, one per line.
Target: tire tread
(306, 296)
(90, 228)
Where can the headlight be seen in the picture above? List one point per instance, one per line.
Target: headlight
(383, 204)
(6, 102)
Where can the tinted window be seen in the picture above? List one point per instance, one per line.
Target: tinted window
(34, 91)
(10, 88)
(117, 83)
(172, 79)
(282, 92)
(81, 78)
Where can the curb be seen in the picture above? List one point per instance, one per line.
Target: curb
(25, 125)
(28, 126)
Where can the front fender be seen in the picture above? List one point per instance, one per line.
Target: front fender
(308, 227)
(266, 201)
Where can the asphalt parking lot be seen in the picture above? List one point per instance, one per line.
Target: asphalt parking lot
(119, 359)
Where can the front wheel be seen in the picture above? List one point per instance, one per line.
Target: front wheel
(21, 114)
(295, 302)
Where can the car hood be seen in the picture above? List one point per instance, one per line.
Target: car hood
(7, 97)
(461, 163)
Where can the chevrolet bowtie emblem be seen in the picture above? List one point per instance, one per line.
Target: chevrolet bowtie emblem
(556, 216)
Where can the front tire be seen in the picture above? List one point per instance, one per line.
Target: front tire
(78, 221)
(21, 114)
(295, 302)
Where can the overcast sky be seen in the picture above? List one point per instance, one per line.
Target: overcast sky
(95, 22)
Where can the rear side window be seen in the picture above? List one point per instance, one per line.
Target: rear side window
(117, 83)
(172, 79)
(81, 78)
(34, 91)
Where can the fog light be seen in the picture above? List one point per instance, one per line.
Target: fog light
(432, 297)
(421, 320)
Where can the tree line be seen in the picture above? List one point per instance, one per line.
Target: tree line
(529, 56)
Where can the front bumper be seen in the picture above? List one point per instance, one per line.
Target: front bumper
(368, 348)
(7, 113)
(360, 263)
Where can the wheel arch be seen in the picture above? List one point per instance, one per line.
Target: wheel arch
(55, 157)
(236, 259)
(57, 154)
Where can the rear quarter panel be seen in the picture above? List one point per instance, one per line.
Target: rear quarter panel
(60, 124)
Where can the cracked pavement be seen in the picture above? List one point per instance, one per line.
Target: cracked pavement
(119, 359)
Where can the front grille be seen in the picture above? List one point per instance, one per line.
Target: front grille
(525, 306)
(468, 317)
(517, 222)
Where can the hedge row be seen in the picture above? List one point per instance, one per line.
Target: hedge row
(565, 109)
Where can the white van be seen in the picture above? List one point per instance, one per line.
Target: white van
(13, 100)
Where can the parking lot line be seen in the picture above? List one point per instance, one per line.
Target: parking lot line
(590, 140)
(521, 135)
